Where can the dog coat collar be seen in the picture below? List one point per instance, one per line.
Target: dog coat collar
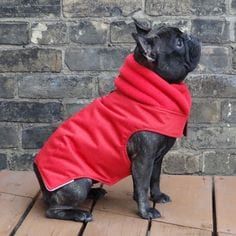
(92, 143)
(143, 85)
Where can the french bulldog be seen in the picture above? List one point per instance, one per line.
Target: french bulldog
(171, 54)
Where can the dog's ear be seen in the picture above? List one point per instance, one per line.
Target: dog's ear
(146, 46)
(142, 27)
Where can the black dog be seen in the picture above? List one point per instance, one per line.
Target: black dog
(171, 54)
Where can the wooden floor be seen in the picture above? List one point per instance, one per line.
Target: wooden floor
(201, 206)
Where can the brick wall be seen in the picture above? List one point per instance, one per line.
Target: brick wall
(57, 55)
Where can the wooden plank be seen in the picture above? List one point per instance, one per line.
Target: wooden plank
(22, 183)
(119, 199)
(191, 204)
(225, 234)
(37, 224)
(12, 208)
(225, 195)
(107, 224)
(164, 229)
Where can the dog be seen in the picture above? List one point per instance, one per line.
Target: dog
(149, 85)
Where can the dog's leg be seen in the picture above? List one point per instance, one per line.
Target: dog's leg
(156, 194)
(68, 212)
(141, 173)
(64, 203)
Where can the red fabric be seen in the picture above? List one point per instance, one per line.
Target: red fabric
(92, 143)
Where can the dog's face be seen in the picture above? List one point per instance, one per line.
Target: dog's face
(167, 51)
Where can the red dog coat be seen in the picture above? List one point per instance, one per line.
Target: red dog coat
(92, 143)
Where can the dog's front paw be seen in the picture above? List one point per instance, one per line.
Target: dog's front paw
(150, 213)
(160, 198)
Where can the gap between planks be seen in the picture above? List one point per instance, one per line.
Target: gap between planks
(24, 214)
(214, 220)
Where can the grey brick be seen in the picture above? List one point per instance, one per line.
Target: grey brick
(49, 33)
(7, 87)
(219, 163)
(30, 60)
(30, 111)
(192, 163)
(210, 137)
(233, 7)
(15, 33)
(234, 38)
(223, 86)
(174, 163)
(214, 60)
(167, 7)
(89, 32)
(3, 161)
(8, 136)
(95, 59)
(72, 108)
(181, 162)
(186, 7)
(35, 137)
(232, 163)
(30, 8)
(83, 8)
(121, 31)
(209, 7)
(234, 59)
(211, 31)
(21, 162)
(229, 111)
(50, 86)
(106, 83)
(205, 111)
(183, 25)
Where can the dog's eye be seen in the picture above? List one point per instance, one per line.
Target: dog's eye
(179, 43)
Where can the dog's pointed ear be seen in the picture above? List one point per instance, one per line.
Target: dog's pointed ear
(142, 27)
(144, 45)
